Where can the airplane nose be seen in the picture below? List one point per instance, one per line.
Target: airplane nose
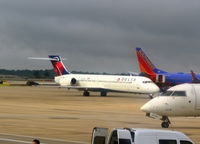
(145, 107)
(155, 89)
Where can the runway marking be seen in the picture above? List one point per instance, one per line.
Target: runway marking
(17, 141)
(50, 139)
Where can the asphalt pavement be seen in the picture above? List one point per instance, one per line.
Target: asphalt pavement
(17, 139)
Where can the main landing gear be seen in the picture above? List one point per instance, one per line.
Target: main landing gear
(103, 94)
(86, 93)
(165, 122)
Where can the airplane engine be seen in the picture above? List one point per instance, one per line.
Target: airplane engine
(73, 81)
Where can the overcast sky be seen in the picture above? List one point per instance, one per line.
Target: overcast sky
(100, 35)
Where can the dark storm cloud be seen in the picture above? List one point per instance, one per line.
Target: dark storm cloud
(100, 35)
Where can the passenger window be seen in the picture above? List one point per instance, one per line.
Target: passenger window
(167, 142)
(185, 142)
(179, 93)
(124, 141)
(114, 138)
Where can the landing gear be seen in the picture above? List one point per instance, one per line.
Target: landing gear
(103, 94)
(150, 96)
(166, 122)
(86, 93)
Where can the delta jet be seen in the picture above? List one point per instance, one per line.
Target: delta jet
(162, 78)
(101, 83)
(179, 101)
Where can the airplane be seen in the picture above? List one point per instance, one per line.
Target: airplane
(162, 78)
(100, 83)
(179, 101)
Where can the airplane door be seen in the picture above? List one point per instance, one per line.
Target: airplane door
(197, 93)
(99, 135)
(160, 78)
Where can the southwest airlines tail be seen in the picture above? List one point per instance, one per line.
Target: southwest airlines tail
(58, 65)
(146, 66)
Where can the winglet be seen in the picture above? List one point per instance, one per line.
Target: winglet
(193, 75)
(194, 78)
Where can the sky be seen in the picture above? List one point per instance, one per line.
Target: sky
(100, 35)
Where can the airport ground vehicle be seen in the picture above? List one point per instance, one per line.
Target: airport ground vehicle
(178, 101)
(138, 136)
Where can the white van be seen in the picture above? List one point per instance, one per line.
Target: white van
(138, 136)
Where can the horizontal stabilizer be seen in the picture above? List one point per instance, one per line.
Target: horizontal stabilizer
(42, 58)
(57, 63)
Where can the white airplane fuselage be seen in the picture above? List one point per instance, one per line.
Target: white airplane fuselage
(109, 83)
(184, 101)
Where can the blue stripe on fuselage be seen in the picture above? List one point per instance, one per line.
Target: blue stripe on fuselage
(178, 78)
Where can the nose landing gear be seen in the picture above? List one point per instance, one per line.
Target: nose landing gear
(165, 122)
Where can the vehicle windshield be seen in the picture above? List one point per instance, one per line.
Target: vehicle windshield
(124, 141)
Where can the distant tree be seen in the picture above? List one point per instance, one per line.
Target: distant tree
(42, 73)
(46, 74)
(36, 74)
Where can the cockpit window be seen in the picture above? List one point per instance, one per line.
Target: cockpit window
(179, 93)
(167, 93)
(174, 93)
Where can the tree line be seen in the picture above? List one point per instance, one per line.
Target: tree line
(48, 73)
